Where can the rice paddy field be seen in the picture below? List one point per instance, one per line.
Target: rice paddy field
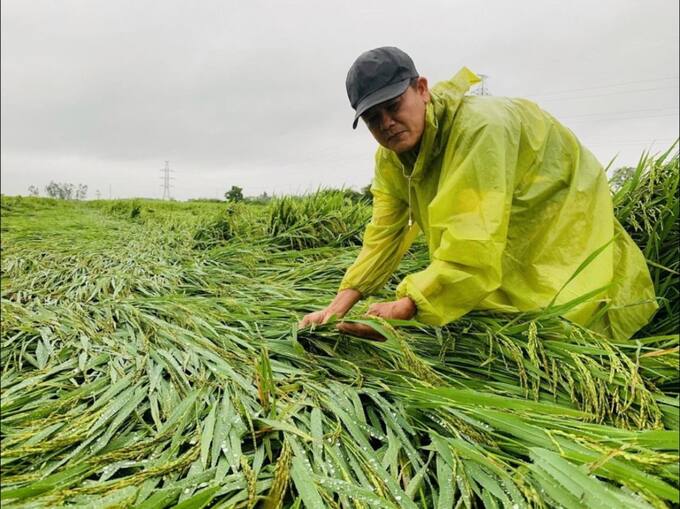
(151, 358)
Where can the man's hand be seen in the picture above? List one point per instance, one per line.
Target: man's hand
(342, 303)
(402, 309)
(317, 317)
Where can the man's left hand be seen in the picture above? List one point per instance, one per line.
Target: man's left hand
(402, 309)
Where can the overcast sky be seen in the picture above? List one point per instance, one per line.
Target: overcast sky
(253, 93)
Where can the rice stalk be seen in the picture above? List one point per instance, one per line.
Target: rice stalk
(140, 371)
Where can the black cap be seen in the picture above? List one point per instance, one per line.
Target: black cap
(377, 76)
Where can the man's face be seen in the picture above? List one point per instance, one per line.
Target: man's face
(398, 124)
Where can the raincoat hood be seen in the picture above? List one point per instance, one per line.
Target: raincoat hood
(445, 97)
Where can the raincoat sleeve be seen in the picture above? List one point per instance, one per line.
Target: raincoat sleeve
(469, 216)
(386, 239)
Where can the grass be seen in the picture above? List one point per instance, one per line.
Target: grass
(324, 218)
(648, 206)
(150, 359)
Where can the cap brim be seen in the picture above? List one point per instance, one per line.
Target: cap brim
(380, 96)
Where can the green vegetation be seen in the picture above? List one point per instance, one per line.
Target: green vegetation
(234, 194)
(325, 218)
(150, 358)
(648, 206)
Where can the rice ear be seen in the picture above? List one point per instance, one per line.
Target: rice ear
(140, 368)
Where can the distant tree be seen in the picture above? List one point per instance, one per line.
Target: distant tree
(67, 190)
(234, 194)
(620, 176)
(64, 190)
(81, 192)
(260, 198)
(33, 190)
(53, 190)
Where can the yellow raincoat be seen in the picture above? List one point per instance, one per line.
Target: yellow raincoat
(511, 204)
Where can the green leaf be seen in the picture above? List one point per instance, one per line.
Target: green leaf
(302, 474)
(447, 488)
(207, 435)
(570, 486)
(199, 500)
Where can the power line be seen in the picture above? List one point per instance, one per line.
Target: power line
(615, 114)
(619, 92)
(624, 118)
(603, 86)
(618, 112)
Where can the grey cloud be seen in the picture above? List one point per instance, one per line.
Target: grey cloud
(255, 90)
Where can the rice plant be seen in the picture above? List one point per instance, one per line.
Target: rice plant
(648, 206)
(139, 371)
(323, 218)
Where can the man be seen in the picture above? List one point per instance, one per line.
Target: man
(510, 202)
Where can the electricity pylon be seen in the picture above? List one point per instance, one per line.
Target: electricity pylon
(166, 180)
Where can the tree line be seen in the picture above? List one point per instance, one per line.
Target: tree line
(235, 194)
(61, 190)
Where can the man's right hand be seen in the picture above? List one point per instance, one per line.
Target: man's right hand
(342, 303)
(317, 318)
